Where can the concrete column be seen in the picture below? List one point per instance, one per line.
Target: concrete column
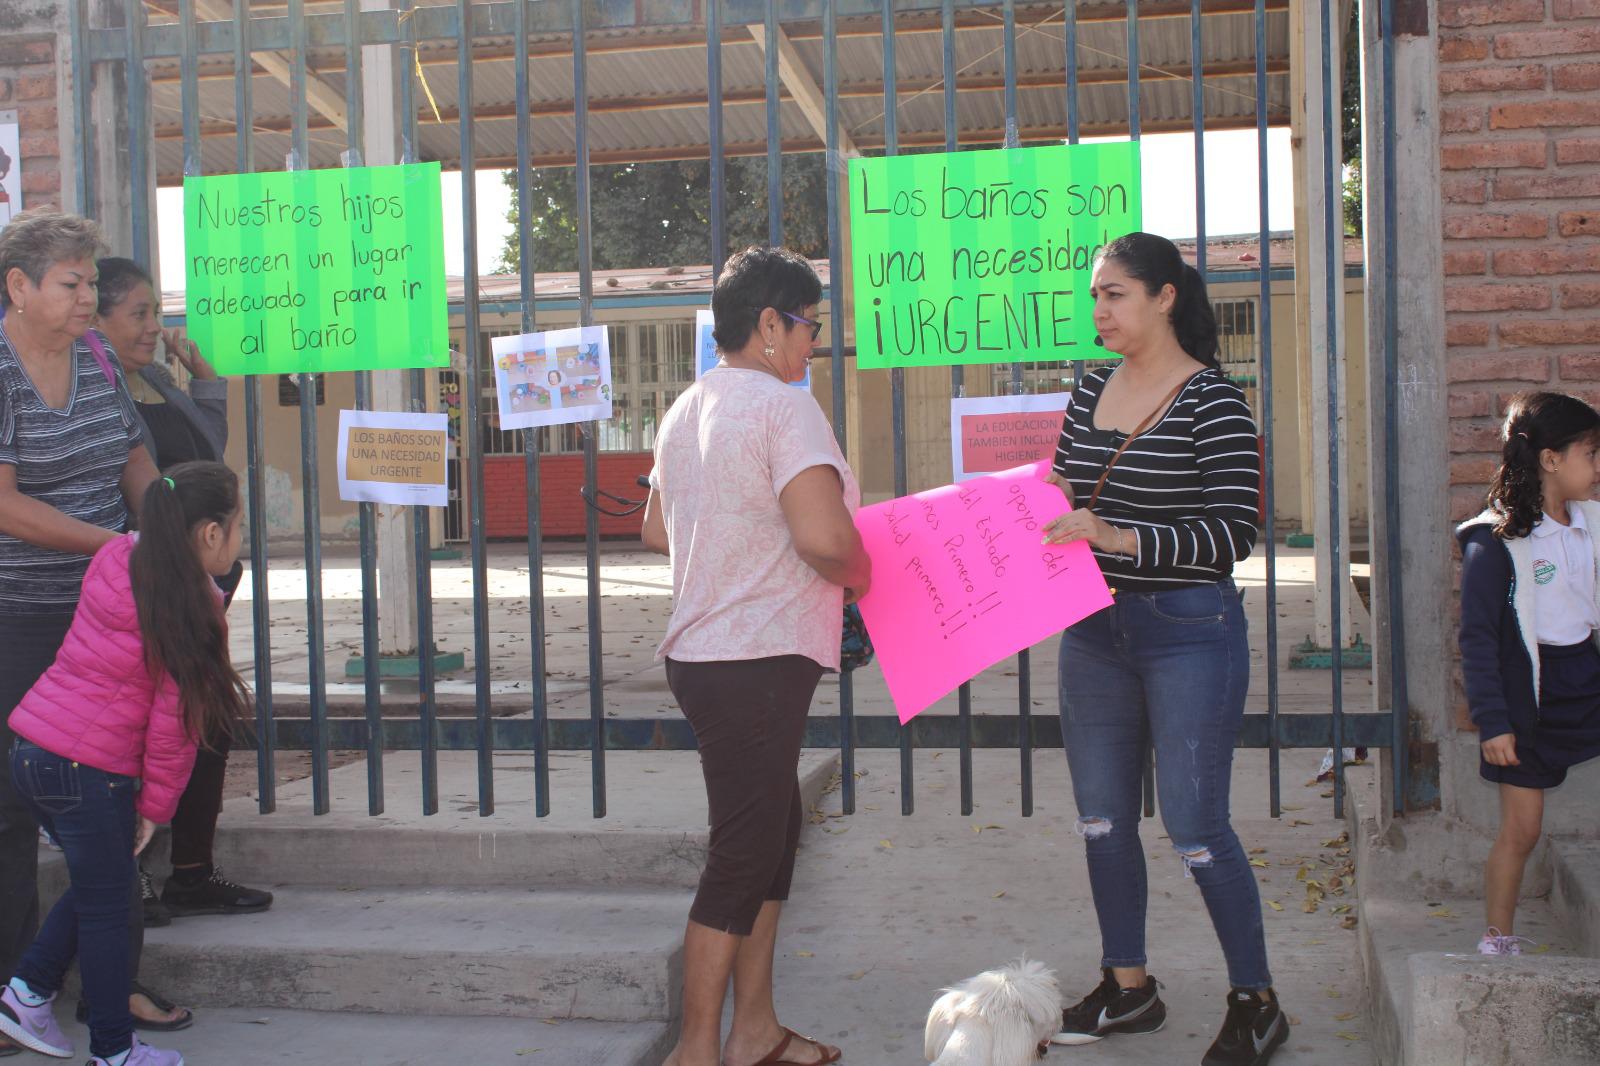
(1419, 399)
(1311, 257)
(397, 575)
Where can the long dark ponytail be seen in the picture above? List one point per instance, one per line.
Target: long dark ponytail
(180, 615)
(1534, 421)
(1156, 261)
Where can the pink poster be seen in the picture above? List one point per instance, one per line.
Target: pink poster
(961, 581)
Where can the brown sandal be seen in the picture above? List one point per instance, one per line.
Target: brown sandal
(775, 1056)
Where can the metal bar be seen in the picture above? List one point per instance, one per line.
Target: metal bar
(421, 517)
(774, 133)
(1198, 105)
(591, 444)
(1399, 694)
(1024, 658)
(1269, 494)
(354, 92)
(1133, 69)
(472, 399)
(138, 124)
(719, 225)
(835, 164)
(82, 88)
(310, 473)
(958, 384)
(1070, 46)
(1069, 27)
(897, 375)
(1334, 282)
(355, 133)
(188, 91)
(1009, 50)
(532, 439)
(936, 732)
(255, 458)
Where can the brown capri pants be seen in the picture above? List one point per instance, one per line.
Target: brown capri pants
(749, 718)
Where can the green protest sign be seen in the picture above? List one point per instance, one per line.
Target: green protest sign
(984, 257)
(316, 270)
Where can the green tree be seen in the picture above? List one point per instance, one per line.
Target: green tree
(659, 214)
(1350, 127)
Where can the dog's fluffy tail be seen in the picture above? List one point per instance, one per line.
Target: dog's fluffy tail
(941, 1023)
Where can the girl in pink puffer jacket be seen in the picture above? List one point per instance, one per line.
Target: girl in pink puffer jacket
(143, 674)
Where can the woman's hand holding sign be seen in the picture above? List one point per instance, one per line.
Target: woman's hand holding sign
(1086, 525)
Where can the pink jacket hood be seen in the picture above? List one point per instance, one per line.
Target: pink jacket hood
(98, 703)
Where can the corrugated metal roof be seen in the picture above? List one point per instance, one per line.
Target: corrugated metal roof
(647, 86)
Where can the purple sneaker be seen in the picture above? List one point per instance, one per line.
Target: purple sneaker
(1494, 943)
(143, 1054)
(33, 1027)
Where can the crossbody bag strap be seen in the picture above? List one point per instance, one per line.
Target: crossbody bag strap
(1149, 420)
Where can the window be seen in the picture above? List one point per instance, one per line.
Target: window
(1237, 347)
(1040, 377)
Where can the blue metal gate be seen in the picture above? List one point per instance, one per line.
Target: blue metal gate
(474, 28)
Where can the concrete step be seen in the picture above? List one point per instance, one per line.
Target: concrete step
(270, 1036)
(1575, 890)
(654, 833)
(598, 955)
(1453, 1007)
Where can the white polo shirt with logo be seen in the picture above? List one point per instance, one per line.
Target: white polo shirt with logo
(1564, 580)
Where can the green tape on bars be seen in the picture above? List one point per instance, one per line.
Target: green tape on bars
(984, 257)
(317, 270)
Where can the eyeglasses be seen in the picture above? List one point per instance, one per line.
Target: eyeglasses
(816, 327)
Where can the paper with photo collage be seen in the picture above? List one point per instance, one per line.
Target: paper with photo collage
(553, 378)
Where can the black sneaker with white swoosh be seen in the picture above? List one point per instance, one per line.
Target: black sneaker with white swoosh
(1110, 1009)
(1252, 1031)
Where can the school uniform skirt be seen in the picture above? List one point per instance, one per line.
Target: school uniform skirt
(1567, 730)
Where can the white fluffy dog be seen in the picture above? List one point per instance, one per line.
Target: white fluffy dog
(998, 1018)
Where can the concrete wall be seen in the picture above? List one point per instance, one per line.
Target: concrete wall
(1519, 177)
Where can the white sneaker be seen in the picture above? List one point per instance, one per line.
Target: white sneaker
(1496, 943)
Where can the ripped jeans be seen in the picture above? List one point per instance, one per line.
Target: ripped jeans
(1169, 669)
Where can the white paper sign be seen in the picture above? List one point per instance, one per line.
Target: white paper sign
(705, 349)
(554, 378)
(989, 434)
(10, 167)
(393, 457)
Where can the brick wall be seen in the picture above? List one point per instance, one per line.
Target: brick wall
(1519, 162)
(28, 85)
(1519, 84)
(561, 508)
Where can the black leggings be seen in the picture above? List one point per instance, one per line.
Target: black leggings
(749, 718)
(194, 823)
(29, 643)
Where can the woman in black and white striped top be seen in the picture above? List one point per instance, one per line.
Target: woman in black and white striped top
(1159, 456)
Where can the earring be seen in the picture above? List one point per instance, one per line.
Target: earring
(769, 351)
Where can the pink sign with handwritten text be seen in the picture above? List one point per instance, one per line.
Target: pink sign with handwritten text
(961, 581)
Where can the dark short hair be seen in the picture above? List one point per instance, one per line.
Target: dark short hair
(752, 281)
(35, 241)
(118, 277)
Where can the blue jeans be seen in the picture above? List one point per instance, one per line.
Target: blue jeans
(91, 814)
(1168, 669)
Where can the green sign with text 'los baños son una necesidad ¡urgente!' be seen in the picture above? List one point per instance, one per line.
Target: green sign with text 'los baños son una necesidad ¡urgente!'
(984, 257)
(317, 270)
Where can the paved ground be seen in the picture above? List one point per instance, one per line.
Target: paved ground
(887, 909)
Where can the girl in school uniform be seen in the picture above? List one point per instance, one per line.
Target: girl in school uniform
(1529, 611)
